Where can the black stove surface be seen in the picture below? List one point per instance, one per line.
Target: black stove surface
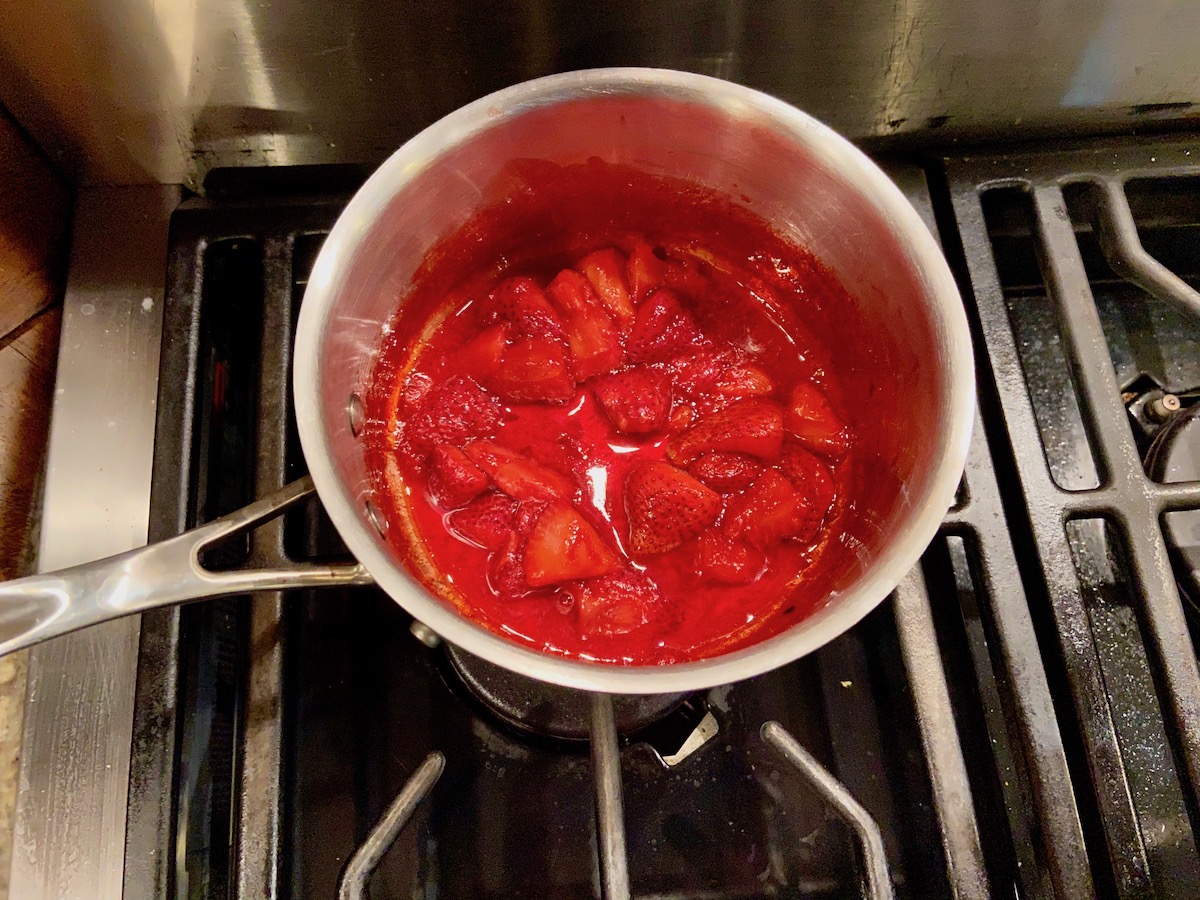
(272, 732)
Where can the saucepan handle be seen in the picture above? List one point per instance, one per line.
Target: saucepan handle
(43, 606)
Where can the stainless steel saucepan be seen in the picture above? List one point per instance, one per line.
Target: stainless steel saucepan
(905, 326)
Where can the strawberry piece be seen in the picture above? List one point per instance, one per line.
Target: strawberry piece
(453, 478)
(519, 477)
(725, 472)
(812, 420)
(563, 546)
(452, 412)
(727, 561)
(636, 400)
(662, 329)
(769, 511)
(645, 271)
(696, 374)
(809, 476)
(523, 303)
(534, 369)
(605, 269)
(745, 380)
(572, 293)
(680, 418)
(616, 604)
(487, 521)
(749, 426)
(416, 386)
(506, 568)
(527, 515)
(666, 506)
(481, 356)
(594, 341)
(684, 276)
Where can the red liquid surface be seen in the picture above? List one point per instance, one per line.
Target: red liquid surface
(745, 292)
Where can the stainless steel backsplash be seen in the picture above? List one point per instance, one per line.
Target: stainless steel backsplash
(133, 91)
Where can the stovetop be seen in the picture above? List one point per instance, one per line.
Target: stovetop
(1021, 719)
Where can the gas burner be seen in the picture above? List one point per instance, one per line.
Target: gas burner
(548, 710)
(1174, 457)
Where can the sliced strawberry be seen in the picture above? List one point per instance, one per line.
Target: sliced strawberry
(481, 356)
(750, 426)
(725, 472)
(745, 380)
(697, 373)
(769, 511)
(416, 386)
(666, 506)
(684, 276)
(814, 423)
(727, 561)
(527, 515)
(616, 604)
(605, 269)
(809, 476)
(661, 330)
(563, 546)
(518, 476)
(636, 400)
(645, 271)
(572, 293)
(534, 369)
(594, 341)
(506, 568)
(453, 478)
(680, 418)
(487, 520)
(521, 302)
(452, 412)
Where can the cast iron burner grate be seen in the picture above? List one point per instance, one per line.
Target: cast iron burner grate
(272, 734)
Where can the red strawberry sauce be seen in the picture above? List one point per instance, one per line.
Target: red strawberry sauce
(719, 320)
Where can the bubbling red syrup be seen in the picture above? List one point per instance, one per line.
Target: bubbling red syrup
(606, 423)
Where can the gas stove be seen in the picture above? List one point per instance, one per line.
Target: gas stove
(1021, 719)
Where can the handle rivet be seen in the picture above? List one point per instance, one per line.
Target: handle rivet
(376, 518)
(356, 414)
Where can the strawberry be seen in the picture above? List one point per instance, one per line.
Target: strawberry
(452, 412)
(697, 374)
(517, 475)
(605, 269)
(812, 420)
(563, 546)
(487, 520)
(749, 426)
(453, 478)
(745, 380)
(534, 369)
(680, 418)
(769, 511)
(727, 561)
(481, 356)
(645, 271)
(527, 515)
(725, 472)
(616, 604)
(666, 506)
(809, 476)
(636, 400)
(662, 329)
(523, 303)
(684, 276)
(416, 386)
(594, 341)
(572, 293)
(506, 568)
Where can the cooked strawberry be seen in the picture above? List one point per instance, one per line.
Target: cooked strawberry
(506, 568)
(680, 418)
(572, 293)
(416, 386)
(518, 476)
(814, 423)
(725, 472)
(534, 369)
(684, 276)
(749, 426)
(617, 603)
(769, 511)
(636, 400)
(666, 506)
(480, 357)
(594, 341)
(521, 302)
(487, 520)
(605, 269)
(563, 546)
(645, 271)
(745, 380)
(661, 330)
(452, 412)
(697, 373)
(527, 515)
(809, 476)
(727, 561)
(453, 478)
